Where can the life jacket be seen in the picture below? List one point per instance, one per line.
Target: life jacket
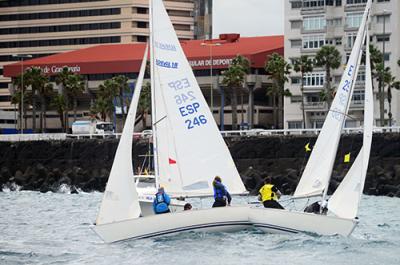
(219, 193)
(160, 198)
(267, 193)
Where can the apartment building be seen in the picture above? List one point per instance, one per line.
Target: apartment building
(310, 24)
(43, 27)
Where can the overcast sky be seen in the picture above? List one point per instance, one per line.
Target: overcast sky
(248, 17)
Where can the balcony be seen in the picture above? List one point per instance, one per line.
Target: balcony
(319, 105)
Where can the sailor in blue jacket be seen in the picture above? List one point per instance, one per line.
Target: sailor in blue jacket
(161, 202)
(221, 194)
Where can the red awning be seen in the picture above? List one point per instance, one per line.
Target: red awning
(126, 58)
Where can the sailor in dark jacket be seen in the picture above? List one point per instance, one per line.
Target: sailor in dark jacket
(221, 194)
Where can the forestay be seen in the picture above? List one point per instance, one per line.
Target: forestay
(316, 175)
(189, 147)
(120, 201)
(346, 199)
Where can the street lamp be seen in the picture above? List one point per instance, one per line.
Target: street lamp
(210, 44)
(22, 57)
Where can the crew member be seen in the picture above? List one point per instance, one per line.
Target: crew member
(161, 202)
(221, 194)
(269, 194)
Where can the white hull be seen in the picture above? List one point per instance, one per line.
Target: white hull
(222, 219)
(285, 221)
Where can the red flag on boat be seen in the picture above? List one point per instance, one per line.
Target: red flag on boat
(171, 161)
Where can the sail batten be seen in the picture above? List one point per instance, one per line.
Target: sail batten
(316, 175)
(120, 201)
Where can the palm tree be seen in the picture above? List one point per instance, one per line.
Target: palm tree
(329, 58)
(39, 85)
(103, 107)
(391, 82)
(105, 97)
(383, 76)
(16, 98)
(44, 93)
(378, 74)
(303, 65)
(278, 70)
(58, 102)
(122, 86)
(74, 87)
(62, 79)
(145, 103)
(234, 78)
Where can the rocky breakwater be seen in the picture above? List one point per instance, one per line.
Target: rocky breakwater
(85, 164)
(284, 159)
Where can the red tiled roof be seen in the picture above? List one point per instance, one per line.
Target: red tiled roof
(125, 58)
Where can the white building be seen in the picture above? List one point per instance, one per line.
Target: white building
(310, 24)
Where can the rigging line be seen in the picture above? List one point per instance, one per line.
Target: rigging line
(154, 124)
(344, 114)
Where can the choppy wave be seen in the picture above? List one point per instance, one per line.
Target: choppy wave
(53, 228)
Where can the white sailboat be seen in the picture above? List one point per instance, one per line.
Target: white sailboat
(189, 151)
(343, 205)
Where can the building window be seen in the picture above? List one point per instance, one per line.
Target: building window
(296, 24)
(334, 22)
(313, 3)
(314, 23)
(383, 19)
(59, 42)
(295, 80)
(60, 28)
(296, 4)
(314, 79)
(295, 124)
(361, 77)
(386, 56)
(295, 43)
(61, 14)
(141, 10)
(358, 97)
(141, 24)
(382, 38)
(353, 20)
(355, 2)
(141, 38)
(313, 41)
(351, 38)
(295, 99)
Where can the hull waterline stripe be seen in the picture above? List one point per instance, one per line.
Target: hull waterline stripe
(189, 228)
(275, 227)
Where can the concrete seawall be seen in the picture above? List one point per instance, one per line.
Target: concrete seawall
(85, 164)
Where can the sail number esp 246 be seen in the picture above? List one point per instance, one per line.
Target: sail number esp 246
(187, 103)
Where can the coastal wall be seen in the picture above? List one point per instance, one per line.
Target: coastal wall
(85, 164)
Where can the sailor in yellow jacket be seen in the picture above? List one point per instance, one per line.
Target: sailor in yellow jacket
(269, 194)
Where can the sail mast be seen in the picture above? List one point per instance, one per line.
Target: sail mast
(153, 97)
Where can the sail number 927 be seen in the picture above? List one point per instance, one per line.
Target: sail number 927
(196, 122)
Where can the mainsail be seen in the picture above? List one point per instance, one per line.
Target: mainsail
(346, 199)
(316, 175)
(120, 201)
(189, 148)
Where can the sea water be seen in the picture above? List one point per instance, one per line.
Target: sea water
(54, 228)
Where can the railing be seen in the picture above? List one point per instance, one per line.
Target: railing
(147, 135)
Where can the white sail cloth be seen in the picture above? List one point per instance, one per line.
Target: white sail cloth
(346, 199)
(190, 150)
(316, 175)
(120, 201)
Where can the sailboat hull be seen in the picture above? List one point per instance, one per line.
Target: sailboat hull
(285, 221)
(224, 219)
